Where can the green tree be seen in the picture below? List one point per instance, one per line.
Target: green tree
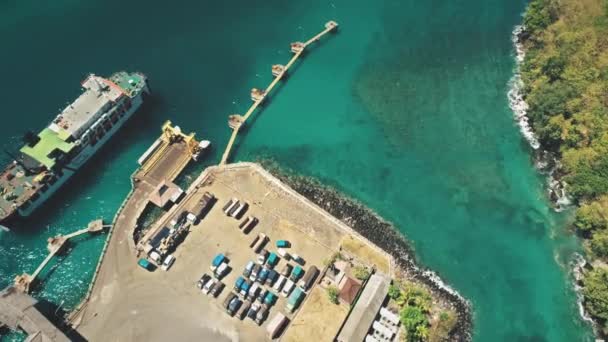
(592, 216)
(332, 294)
(595, 291)
(412, 318)
(394, 292)
(539, 15)
(418, 296)
(361, 272)
(599, 244)
(565, 76)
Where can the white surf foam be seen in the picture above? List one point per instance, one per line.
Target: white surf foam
(545, 162)
(577, 269)
(516, 98)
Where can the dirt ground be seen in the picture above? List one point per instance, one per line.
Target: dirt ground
(130, 304)
(365, 253)
(320, 313)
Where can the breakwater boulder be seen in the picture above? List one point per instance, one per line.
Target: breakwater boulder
(382, 233)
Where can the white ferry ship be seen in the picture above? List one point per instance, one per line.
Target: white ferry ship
(52, 156)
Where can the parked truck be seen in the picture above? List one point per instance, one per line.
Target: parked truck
(276, 325)
(260, 243)
(309, 278)
(294, 300)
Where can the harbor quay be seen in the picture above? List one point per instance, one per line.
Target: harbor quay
(129, 302)
(239, 255)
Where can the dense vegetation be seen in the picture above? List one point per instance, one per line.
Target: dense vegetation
(420, 318)
(566, 86)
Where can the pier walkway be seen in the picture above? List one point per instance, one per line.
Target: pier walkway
(278, 71)
(55, 245)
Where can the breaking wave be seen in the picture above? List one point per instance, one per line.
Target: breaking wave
(516, 97)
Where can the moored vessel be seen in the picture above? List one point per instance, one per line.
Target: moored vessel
(48, 159)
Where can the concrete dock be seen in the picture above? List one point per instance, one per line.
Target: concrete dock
(173, 152)
(18, 311)
(153, 301)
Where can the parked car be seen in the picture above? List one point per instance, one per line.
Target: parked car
(262, 256)
(209, 285)
(262, 295)
(168, 262)
(283, 253)
(253, 291)
(286, 271)
(248, 269)
(245, 288)
(228, 300)
(287, 288)
(217, 289)
(221, 271)
(270, 299)
(204, 279)
(272, 277)
(297, 273)
(297, 259)
(145, 264)
(278, 285)
(253, 310)
(217, 261)
(283, 244)
(263, 275)
(272, 260)
(254, 273)
(238, 283)
(261, 315)
(242, 312)
(233, 306)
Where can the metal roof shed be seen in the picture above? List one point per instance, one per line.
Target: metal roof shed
(364, 313)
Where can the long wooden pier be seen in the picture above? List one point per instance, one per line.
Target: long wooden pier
(279, 72)
(55, 244)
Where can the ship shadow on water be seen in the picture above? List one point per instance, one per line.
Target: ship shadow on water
(56, 314)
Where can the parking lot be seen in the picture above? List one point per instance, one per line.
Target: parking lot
(279, 219)
(143, 305)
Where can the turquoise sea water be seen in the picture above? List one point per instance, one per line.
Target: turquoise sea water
(404, 109)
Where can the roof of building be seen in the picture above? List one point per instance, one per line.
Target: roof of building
(164, 193)
(364, 313)
(49, 142)
(349, 288)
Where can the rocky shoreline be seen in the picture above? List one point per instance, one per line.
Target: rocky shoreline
(382, 233)
(546, 162)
